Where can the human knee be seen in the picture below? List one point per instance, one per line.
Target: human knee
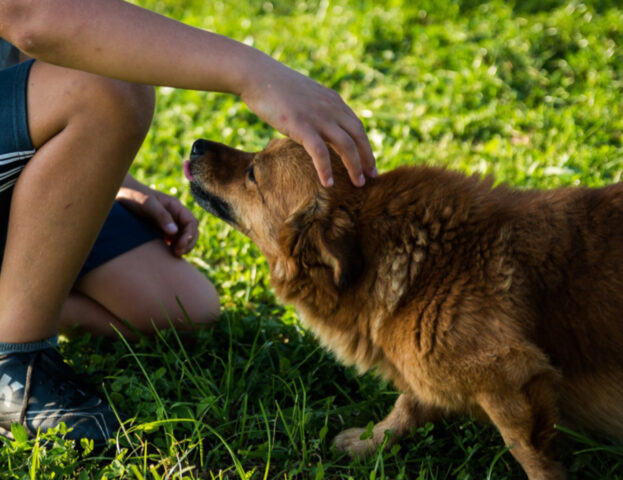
(204, 309)
(195, 293)
(113, 111)
(127, 108)
(187, 307)
(120, 109)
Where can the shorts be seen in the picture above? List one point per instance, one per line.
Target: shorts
(122, 231)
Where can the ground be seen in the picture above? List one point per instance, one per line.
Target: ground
(527, 91)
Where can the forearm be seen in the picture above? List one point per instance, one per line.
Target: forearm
(120, 40)
(130, 182)
(131, 187)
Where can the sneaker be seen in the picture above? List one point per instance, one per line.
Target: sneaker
(39, 390)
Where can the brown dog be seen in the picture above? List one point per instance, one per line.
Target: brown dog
(501, 303)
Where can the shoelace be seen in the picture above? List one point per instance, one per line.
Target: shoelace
(26, 398)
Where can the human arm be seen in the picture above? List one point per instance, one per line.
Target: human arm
(177, 223)
(116, 39)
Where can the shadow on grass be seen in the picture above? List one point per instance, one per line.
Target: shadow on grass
(257, 398)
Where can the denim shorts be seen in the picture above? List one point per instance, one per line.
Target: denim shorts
(121, 232)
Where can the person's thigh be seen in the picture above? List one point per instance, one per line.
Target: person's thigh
(144, 285)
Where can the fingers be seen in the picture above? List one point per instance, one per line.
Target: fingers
(183, 243)
(346, 148)
(353, 127)
(318, 151)
(348, 138)
(178, 224)
(353, 148)
(335, 124)
(156, 211)
(346, 135)
(185, 237)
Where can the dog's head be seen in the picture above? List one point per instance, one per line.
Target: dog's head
(275, 198)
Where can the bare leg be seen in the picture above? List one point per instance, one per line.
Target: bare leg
(83, 314)
(87, 130)
(407, 413)
(141, 286)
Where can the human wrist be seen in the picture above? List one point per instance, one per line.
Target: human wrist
(250, 70)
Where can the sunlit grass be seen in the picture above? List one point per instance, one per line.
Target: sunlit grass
(528, 92)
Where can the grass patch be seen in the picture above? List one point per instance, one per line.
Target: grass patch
(529, 91)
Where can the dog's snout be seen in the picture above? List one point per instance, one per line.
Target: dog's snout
(200, 147)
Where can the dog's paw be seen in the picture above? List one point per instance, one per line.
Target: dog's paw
(350, 441)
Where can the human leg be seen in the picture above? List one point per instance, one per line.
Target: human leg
(86, 130)
(142, 286)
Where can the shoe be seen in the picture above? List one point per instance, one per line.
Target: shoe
(39, 390)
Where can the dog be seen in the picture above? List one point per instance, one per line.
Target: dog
(500, 303)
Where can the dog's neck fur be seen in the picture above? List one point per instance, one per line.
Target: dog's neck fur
(399, 253)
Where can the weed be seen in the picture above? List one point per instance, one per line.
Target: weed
(527, 91)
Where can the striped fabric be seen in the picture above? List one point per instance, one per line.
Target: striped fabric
(11, 164)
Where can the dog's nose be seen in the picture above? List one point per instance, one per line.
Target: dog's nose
(200, 147)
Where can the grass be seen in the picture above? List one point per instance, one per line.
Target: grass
(528, 91)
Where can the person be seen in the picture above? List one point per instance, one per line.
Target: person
(71, 121)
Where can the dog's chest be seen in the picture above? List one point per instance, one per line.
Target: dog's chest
(352, 346)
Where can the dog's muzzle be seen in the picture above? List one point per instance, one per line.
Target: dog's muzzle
(206, 199)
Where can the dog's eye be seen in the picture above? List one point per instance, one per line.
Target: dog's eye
(251, 173)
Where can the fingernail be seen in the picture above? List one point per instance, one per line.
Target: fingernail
(361, 180)
(374, 172)
(170, 227)
(330, 182)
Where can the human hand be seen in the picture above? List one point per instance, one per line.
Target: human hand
(313, 116)
(174, 219)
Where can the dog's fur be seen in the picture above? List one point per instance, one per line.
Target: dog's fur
(504, 304)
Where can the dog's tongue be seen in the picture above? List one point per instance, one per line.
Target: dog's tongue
(187, 173)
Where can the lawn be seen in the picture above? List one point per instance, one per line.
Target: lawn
(527, 91)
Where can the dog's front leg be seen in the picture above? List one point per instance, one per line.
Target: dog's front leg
(407, 413)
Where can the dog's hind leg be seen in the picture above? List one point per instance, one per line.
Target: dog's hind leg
(406, 414)
(525, 419)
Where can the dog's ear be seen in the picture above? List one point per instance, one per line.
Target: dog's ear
(339, 248)
(314, 237)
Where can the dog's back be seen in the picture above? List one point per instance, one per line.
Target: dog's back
(569, 246)
(550, 261)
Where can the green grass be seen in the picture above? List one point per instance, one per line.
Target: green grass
(530, 92)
